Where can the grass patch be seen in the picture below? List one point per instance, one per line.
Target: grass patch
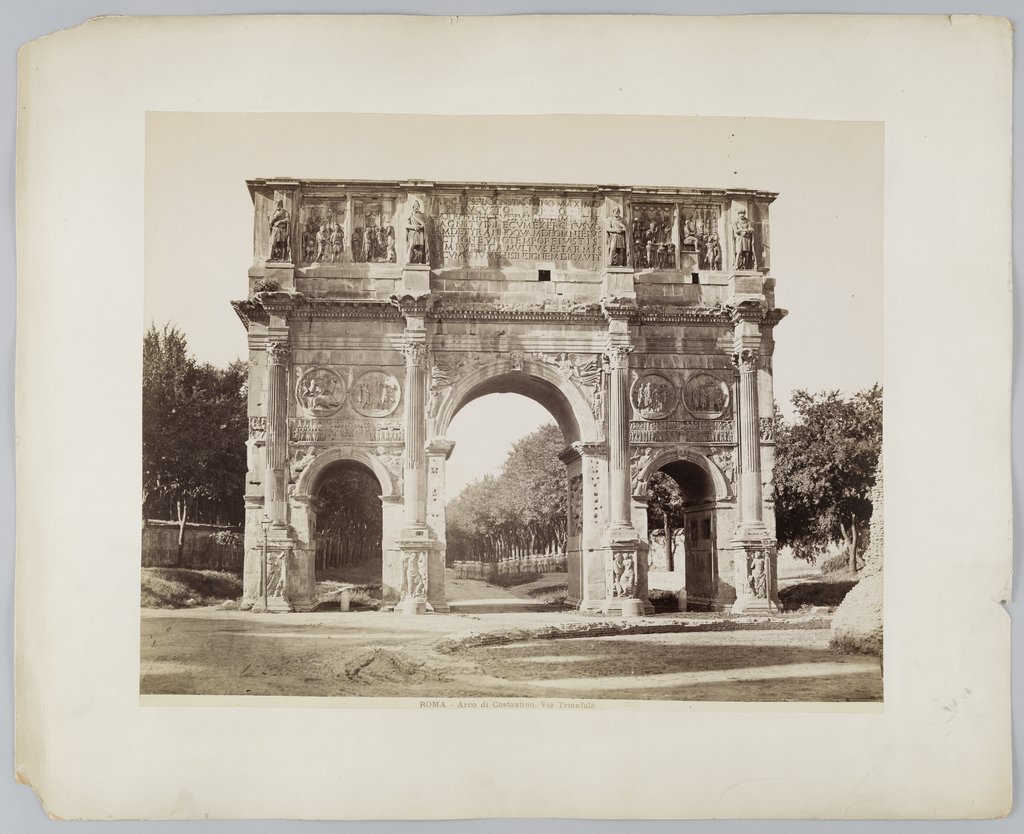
(663, 600)
(187, 588)
(825, 594)
(510, 580)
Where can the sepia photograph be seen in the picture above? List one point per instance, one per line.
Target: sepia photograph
(547, 417)
(487, 437)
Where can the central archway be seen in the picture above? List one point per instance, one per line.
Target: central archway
(540, 547)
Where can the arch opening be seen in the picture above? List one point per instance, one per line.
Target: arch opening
(505, 519)
(682, 528)
(348, 524)
(542, 392)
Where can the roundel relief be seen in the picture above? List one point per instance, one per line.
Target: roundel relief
(654, 397)
(376, 394)
(706, 396)
(320, 391)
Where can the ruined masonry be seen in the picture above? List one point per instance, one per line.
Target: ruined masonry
(641, 318)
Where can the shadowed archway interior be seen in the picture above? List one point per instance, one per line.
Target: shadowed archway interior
(349, 528)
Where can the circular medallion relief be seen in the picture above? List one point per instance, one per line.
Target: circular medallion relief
(376, 394)
(706, 396)
(654, 397)
(320, 391)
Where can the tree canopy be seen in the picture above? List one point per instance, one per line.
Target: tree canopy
(520, 510)
(825, 460)
(193, 432)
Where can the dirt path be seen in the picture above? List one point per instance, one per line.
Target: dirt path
(375, 654)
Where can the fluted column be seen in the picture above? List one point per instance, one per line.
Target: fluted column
(415, 431)
(278, 357)
(745, 360)
(619, 514)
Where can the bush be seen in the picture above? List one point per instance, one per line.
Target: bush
(664, 601)
(265, 285)
(823, 594)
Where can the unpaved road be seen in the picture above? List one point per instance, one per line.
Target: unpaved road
(211, 652)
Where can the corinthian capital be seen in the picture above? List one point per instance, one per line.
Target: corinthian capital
(618, 356)
(278, 353)
(415, 354)
(745, 359)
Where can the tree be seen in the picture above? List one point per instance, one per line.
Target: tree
(825, 462)
(193, 430)
(521, 510)
(665, 510)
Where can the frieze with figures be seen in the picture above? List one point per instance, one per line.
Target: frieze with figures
(303, 430)
(375, 394)
(705, 396)
(258, 428)
(320, 391)
(653, 396)
(477, 229)
(682, 431)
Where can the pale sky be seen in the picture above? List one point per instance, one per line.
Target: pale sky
(826, 225)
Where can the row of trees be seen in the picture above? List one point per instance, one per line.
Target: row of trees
(194, 430)
(520, 511)
(349, 520)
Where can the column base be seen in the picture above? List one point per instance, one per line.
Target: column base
(411, 607)
(623, 607)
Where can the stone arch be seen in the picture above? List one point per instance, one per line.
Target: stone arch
(305, 487)
(539, 381)
(662, 457)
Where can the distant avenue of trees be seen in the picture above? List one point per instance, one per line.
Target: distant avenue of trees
(194, 430)
(521, 510)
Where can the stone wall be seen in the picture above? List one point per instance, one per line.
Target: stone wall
(200, 551)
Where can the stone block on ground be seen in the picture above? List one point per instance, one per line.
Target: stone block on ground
(857, 623)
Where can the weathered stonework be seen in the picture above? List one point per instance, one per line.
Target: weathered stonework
(641, 318)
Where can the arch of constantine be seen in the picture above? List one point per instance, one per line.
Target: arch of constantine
(641, 318)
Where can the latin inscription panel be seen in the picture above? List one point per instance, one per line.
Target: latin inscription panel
(491, 231)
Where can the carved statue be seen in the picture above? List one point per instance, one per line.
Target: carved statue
(414, 571)
(416, 236)
(357, 245)
(690, 234)
(337, 242)
(516, 359)
(743, 237)
(627, 579)
(616, 239)
(280, 223)
(323, 241)
(309, 241)
(758, 580)
(614, 575)
(639, 462)
(713, 252)
(302, 461)
(389, 244)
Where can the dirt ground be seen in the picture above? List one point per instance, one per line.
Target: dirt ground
(212, 652)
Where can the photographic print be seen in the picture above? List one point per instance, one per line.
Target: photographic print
(500, 438)
(507, 399)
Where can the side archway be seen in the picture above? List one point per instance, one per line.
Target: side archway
(307, 483)
(663, 457)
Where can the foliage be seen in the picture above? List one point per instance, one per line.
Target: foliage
(825, 462)
(521, 511)
(265, 285)
(665, 509)
(228, 538)
(349, 522)
(193, 432)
